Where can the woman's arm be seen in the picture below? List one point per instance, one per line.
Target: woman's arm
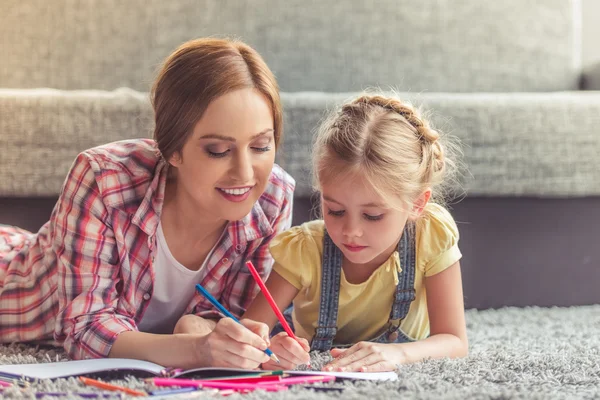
(222, 344)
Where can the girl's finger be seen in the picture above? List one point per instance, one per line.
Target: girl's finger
(380, 366)
(353, 354)
(289, 349)
(370, 360)
(335, 353)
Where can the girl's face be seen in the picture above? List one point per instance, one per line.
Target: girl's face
(359, 222)
(226, 163)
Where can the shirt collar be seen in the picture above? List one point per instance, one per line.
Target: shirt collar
(254, 225)
(147, 216)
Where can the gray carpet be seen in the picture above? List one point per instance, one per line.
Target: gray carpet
(531, 353)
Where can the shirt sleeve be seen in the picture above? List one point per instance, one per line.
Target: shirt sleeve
(88, 267)
(437, 240)
(241, 288)
(297, 256)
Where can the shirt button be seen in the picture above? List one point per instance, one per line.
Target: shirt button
(225, 260)
(239, 248)
(146, 296)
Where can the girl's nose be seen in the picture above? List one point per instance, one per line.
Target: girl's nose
(351, 229)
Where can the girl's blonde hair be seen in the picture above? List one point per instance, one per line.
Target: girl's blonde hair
(388, 143)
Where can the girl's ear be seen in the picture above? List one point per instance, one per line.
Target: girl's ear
(421, 202)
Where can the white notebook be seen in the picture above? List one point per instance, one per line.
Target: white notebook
(82, 367)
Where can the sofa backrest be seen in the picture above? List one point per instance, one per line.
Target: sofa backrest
(311, 45)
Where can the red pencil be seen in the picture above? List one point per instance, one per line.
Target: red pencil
(269, 298)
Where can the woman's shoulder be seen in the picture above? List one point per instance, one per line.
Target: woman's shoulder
(121, 172)
(279, 193)
(134, 157)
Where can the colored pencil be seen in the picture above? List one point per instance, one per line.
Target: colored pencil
(294, 380)
(270, 300)
(109, 386)
(225, 312)
(197, 382)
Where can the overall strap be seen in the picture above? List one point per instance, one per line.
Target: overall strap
(331, 271)
(405, 291)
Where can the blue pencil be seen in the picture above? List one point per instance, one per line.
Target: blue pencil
(225, 312)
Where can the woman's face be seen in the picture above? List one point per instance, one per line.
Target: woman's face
(225, 165)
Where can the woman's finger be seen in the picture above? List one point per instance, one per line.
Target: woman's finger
(240, 333)
(259, 328)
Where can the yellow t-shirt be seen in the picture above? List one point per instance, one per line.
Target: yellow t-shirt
(364, 308)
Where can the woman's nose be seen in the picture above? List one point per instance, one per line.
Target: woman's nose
(242, 171)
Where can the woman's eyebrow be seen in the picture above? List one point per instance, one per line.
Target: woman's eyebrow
(232, 139)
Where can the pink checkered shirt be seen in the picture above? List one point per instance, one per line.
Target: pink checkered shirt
(87, 276)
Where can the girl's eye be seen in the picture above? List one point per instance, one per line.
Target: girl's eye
(217, 154)
(373, 217)
(262, 149)
(336, 213)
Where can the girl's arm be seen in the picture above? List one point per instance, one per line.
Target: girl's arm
(448, 332)
(448, 336)
(291, 353)
(283, 293)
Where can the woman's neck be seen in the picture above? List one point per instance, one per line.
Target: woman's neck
(182, 215)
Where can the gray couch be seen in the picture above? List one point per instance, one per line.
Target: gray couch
(502, 76)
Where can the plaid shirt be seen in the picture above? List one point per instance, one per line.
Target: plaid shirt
(87, 275)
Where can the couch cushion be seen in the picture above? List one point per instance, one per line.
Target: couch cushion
(330, 46)
(515, 144)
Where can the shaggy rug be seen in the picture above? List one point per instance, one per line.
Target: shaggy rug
(528, 353)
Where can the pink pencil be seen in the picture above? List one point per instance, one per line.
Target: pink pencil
(197, 382)
(300, 379)
(273, 387)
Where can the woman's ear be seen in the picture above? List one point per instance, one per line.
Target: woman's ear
(175, 160)
(420, 203)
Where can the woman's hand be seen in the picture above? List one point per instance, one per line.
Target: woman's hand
(233, 345)
(290, 352)
(367, 357)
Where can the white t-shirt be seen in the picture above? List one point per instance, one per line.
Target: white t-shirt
(174, 287)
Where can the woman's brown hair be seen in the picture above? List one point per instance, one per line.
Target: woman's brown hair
(194, 75)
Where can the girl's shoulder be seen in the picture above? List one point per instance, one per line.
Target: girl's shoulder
(437, 236)
(307, 237)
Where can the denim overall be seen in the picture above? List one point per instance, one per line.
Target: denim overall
(323, 340)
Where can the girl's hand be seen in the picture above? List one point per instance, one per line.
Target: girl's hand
(290, 352)
(366, 357)
(233, 345)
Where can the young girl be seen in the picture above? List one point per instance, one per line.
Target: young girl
(381, 271)
(139, 222)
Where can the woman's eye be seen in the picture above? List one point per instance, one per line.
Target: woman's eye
(262, 149)
(216, 154)
(335, 213)
(373, 217)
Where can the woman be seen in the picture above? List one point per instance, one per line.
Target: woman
(139, 222)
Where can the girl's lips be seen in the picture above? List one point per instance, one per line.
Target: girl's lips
(354, 248)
